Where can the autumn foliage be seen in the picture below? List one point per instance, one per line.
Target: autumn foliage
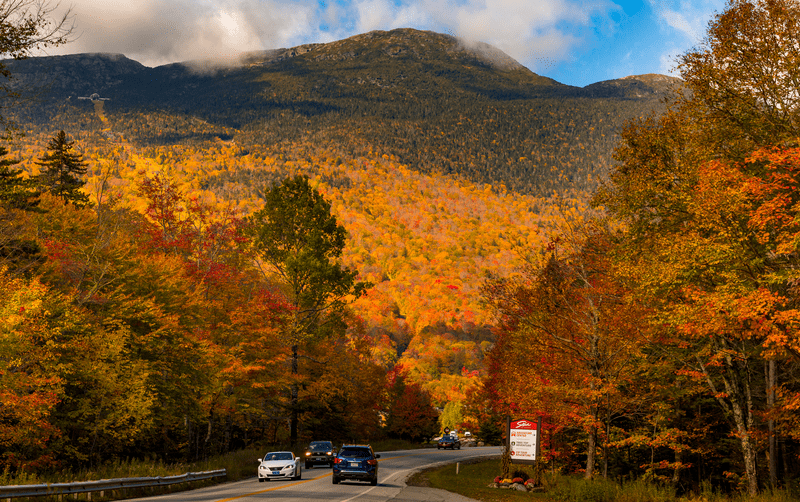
(655, 331)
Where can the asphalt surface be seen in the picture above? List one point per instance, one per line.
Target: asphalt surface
(427, 494)
(424, 494)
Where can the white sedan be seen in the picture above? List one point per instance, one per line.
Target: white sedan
(279, 465)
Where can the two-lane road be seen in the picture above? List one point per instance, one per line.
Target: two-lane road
(316, 484)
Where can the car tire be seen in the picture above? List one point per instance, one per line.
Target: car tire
(330, 465)
(260, 480)
(308, 466)
(335, 480)
(374, 481)
(299, 475)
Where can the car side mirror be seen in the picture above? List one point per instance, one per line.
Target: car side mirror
(260, 460)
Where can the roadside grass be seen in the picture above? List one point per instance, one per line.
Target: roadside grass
(239, 464)
(473, 480)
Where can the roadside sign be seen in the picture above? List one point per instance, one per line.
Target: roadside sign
(523, 440)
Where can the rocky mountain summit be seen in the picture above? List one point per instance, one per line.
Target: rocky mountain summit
(404, 50)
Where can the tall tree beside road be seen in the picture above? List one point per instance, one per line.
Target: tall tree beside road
(27, 26)
(743, 78)
(298, 242)
(568, 341)
(720, 275)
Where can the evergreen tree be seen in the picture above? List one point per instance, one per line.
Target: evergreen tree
(16, 192)
(62, 168)
(19, 251)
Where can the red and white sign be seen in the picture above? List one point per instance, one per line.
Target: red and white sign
(522, 439)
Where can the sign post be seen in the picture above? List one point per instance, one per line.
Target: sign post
(523, 440)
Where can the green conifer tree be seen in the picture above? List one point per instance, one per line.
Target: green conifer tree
(298, 240)
(62, 168)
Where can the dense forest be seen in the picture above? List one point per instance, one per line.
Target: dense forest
(618, 259)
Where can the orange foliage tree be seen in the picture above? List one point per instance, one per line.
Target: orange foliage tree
(568, 339)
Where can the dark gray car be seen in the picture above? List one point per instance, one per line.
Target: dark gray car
(319, 452)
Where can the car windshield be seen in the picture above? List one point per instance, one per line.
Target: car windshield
(446, 439)
(321, 446)
(355, 452)
(281, 455)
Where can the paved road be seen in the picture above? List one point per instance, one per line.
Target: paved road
(316, 484)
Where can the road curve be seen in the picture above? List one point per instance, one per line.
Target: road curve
(316, 484)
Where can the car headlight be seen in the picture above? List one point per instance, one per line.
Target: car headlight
(308, 453)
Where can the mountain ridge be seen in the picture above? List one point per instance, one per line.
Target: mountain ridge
(395, 44)
(436, 103)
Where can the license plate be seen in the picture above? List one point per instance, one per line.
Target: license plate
(275, 473)
(355, 464)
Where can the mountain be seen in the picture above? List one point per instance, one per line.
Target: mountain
(445, 161)
(435, 102)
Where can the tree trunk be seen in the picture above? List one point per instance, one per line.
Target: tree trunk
(591, 448)
(773, 463)
(293, 403)
(747, 447)
(739, 405)
(676, 474)
(605, 442)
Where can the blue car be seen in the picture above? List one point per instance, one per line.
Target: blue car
(356, 462)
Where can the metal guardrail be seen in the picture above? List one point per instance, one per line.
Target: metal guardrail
(7, 492)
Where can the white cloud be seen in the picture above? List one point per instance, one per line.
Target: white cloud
(162, 31)
(374, 14)
(690, 18)
(540, 34)
(517, 27)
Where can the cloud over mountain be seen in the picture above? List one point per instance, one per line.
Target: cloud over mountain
(548, 36)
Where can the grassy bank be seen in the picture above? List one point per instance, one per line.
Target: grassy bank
(473, 479)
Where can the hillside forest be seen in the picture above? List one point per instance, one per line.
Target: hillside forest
(643, 304)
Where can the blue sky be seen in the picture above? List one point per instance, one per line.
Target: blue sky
(574, 42)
